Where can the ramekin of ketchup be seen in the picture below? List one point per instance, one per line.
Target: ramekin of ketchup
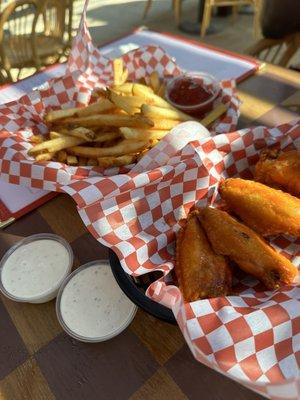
(193, 92)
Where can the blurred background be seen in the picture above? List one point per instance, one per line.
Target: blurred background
(36, 33)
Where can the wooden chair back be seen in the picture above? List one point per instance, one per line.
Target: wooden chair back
(17, 24)
(54, 12)
(276, 51)
(176, 6)
(209, 4)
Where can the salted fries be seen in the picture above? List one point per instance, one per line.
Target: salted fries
(124, 122)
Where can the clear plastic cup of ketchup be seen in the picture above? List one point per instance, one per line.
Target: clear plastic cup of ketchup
(193, 92)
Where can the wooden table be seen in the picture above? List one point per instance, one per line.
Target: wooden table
(150, 359)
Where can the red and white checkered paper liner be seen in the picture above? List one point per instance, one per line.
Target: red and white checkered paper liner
(254, 337)
(87, 70)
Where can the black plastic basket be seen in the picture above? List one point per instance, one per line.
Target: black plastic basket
(134, 288)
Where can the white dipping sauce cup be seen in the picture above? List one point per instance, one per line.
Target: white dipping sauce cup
(33, 269)
(90, 305)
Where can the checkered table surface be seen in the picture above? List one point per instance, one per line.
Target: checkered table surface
(150, 359)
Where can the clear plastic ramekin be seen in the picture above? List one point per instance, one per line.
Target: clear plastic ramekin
(48, 294)
(90, 339)
(209, 82)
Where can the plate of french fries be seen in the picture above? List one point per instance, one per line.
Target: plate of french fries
(118, 129)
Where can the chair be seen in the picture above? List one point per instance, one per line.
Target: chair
(31, 34)
(69, 22)
(50, 31)
(16, 44)
(208, 8)
(176, 5)
(276, 51)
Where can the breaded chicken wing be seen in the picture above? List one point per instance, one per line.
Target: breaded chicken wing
(250, 252)
(280, 170)
(266, 210)
(200, 272)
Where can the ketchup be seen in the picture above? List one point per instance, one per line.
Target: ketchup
(189, 91)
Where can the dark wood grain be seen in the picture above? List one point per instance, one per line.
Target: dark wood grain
(111, 370)
(37, 324)
(29, 224)
(12, 349)
(160, 386)
(162, 339)
(26, 383)
(60, 213)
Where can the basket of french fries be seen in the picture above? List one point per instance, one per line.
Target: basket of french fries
(136, 167)
(124, 121)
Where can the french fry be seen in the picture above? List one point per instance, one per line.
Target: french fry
(56, 115)
(125, 88)
(107, 162)
(37, 139)
(104, 137)
(55, 135)
(83, 133)
(213, 115)
(72, 160)
(55, 145)
(130, 104)
(118, 71)
(157, 112)
(119, 100)
(162, 90)
(122, 148)
(164, 124)
(98, 107)
(154, 81)
(142, 91)
(124, 76)
(62, 156)
(45, 156)
(117, 120)
(141, 88)
(153, 143)
(142, 134)
(92, 162)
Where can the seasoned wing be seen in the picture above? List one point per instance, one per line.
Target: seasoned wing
(268, 211)
(200, 272)
(280, 169)
(251, 253)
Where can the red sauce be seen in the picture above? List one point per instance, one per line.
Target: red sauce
(189, 91)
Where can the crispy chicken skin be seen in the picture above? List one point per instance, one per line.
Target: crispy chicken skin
(246, 248)
(266, 210)
(200, 272)
(280, 170)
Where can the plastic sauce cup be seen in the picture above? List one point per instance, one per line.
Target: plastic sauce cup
(90, 305)
(33, 269)
(193, 92)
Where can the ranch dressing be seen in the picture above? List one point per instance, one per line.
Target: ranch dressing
(35, 270)
(92, 306)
